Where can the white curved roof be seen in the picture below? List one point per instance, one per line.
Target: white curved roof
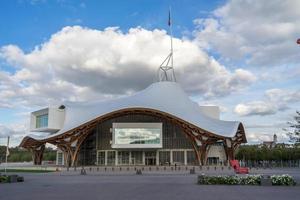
(167, 97)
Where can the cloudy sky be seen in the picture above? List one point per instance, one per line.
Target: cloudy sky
(241, 55)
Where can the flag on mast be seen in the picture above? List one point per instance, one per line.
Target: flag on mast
(169, 20)
(7, 147)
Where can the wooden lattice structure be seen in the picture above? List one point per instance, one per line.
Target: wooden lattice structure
(70, 142)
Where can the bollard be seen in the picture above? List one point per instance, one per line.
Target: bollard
(82, 172)
(138, 172)
(215, 168)
(192, 171)
(97, 169)
(104, 168)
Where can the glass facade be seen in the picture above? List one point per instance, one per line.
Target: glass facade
(123, 157)
(164, 158)
(136, 157)
(178, 157)
(101, 158)
(42, 121)
(111, 157)
(98, 146)
(59, 158)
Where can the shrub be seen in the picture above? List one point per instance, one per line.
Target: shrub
(219, 180)
(250, 180)
(284, 179)
(4, 179)
(245, 180)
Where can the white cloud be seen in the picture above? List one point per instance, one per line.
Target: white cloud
(275, 100)
(78, 64)
(255, 108)
(16, 132)
(262, 32)
(259, 137)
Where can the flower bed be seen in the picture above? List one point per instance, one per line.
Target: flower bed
(282, 180)
(245, 180)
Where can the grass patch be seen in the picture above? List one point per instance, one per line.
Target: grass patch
(26, 170)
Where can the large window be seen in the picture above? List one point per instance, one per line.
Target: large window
(137, 135)
(101, 157)
(42, 121)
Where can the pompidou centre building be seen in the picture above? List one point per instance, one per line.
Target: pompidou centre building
(159, 125)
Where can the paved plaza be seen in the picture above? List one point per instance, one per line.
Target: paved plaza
(151, 185)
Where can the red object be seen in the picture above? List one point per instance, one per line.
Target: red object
(298, 41)
(237, 168)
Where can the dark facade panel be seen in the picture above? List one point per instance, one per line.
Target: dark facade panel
(101, 137)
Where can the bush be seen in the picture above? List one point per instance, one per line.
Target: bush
(4, 179)
(7, 179)
(245, 180)
(219, 180)
(250, 180)
(283, 180)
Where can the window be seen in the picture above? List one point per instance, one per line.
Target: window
(101, 157)
(178, 157)
(123, 157)
(59, 158)
(111, 156)
(137, 135)
(164, 157)
(42, 121)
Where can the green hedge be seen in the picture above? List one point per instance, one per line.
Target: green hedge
(245, 180)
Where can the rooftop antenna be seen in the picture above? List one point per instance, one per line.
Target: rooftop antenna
(166, 70)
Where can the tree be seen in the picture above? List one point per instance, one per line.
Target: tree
(294, 129)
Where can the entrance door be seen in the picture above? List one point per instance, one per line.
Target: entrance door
(150, 157)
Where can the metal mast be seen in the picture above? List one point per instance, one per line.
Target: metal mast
(166, 70)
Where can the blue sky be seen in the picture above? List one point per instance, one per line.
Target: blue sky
(234, 54)
(28, 23)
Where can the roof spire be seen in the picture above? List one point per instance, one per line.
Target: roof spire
(166, 70)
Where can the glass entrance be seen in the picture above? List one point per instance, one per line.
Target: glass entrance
(150, 157)
(136, 158)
